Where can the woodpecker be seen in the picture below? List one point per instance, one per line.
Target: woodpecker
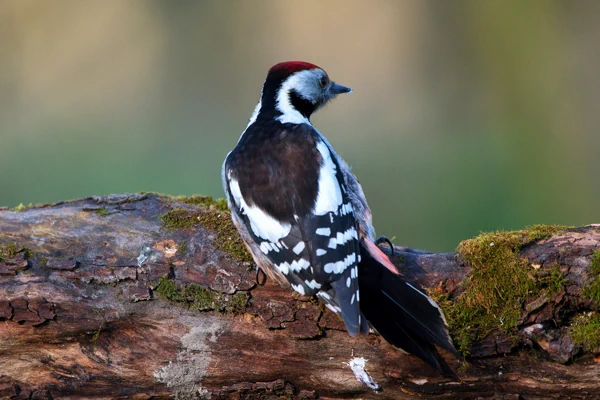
(305, 219)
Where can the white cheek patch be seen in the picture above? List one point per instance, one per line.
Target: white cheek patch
(262, 224)
(305, 84)
(329, 196)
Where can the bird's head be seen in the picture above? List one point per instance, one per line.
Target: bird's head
(294, 90)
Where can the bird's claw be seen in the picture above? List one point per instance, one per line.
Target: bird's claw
(383, 239)
(258, 272)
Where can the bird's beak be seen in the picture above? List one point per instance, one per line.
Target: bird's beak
(336, 89)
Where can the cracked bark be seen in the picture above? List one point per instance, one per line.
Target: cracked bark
(82, 318)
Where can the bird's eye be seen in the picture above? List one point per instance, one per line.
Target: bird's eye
(323, 81)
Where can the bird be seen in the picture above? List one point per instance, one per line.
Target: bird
(304, 217)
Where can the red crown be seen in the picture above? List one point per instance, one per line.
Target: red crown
(292, 66)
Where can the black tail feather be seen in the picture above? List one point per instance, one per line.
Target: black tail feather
(402, 314)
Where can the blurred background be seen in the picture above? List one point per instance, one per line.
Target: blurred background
(466, 116)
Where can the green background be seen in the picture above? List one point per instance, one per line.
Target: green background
(466, 116)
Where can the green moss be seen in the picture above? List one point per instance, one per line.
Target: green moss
(592, 288)
(168, 289)
(180, 218)
(9, 250)
(228, 239)
(103, 212)
(498, 285)
(553, 282)
(200, 298)
(205, 201)
(237, 303)
(22, 207)
(595, 264)
(12, 250)
(585, 331)
(538, 232)
(182, 247)
(96, 337)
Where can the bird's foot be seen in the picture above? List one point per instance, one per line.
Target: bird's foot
(259, 271)
(383, 239)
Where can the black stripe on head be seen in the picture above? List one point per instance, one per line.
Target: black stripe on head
(272, 85)
(304, 107)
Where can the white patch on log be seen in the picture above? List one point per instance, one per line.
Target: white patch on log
(185, 373)
(357, 365)
(144, 255)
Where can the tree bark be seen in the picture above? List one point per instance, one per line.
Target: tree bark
(103, 298)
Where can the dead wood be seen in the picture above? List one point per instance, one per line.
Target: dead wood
(145, 296)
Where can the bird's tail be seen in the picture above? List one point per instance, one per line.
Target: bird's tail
(405, 316)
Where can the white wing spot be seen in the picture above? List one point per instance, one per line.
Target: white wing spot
(323, 231)
(346, 209)
(298, 248)
(284, 268)
(343, 238)
(333, 308)
(339, 266)
(321, 252)
(263, 247)
(332, 243)
(298, 288)
(352, 299)
(348, 282)
(313, 284)
(299, 264)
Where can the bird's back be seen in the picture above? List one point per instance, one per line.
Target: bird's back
(285, 158)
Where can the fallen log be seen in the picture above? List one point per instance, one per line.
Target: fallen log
(149, 296)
